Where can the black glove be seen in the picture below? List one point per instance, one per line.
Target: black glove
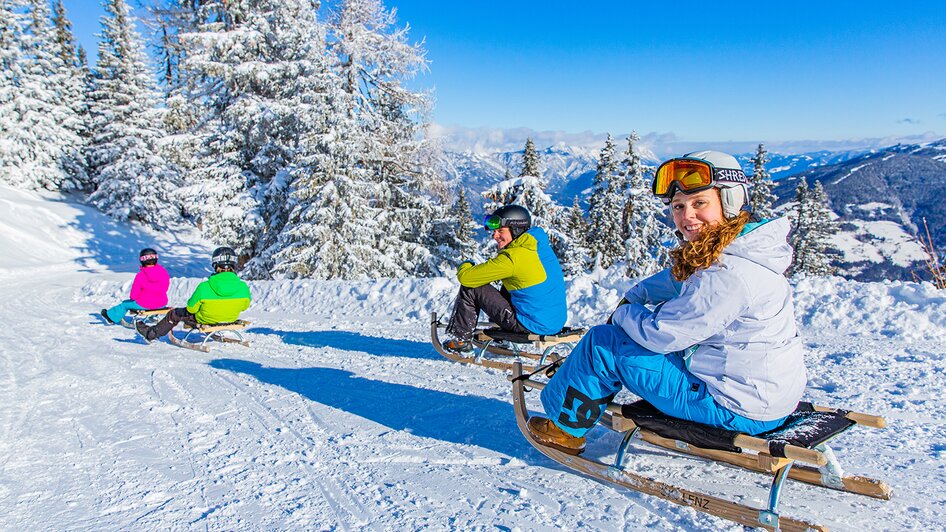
(623, 301)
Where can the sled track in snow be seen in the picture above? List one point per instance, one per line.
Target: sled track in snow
(349, 512)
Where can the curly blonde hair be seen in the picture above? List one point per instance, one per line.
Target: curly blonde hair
(690, 257)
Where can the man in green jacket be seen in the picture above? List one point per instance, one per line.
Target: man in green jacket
(219, 299)
(532, 299)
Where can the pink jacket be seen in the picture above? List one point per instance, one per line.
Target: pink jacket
(150, 288)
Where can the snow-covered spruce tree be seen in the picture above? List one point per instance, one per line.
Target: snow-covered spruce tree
(76, 87)
(132, 180)
(761, 197)
(42, 145)
(190, 95)
(363, 210)
(527, 190)
(605, 210)
(11, 75)
(575, 256)
(455, 233)
(330, 233)
(252, 98)
(169, 19)
(374, 59)
(646, 236)
(811, 231)
(530, 160)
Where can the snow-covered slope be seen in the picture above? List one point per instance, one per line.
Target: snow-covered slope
(341, 415)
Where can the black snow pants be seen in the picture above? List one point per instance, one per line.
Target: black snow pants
(171, 319)
(495, 303)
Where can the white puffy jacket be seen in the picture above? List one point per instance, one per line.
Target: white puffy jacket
(735, 317)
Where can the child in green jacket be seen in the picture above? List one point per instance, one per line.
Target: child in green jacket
(219, 299)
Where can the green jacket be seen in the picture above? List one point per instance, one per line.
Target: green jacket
(219, 299)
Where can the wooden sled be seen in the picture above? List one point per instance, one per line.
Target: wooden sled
(774, 453)
(488, 339)
(149, 317)
(216, 332)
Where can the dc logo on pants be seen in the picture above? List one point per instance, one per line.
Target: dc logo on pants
(585, 413)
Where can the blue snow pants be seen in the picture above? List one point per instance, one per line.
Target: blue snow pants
(118, 312)
(607, 358)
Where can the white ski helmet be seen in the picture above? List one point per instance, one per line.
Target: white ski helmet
(730, 179)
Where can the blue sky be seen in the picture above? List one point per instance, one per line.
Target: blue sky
(736, 71)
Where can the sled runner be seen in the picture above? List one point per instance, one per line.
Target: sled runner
(490, 339)
(801, 439)
(216, 332)
(149, 317)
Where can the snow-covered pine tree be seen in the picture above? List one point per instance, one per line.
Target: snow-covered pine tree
(527, 190)
(454, 234)
(42, 146)
(605, 210)
(374, 60)
(531, 165)
(75, 89)
(575, 256)
(133, 181)
(646, 235)
(11, 76)
(812, 228)
(252, 97)
(467, 228)
(761, 197)
(191, 96)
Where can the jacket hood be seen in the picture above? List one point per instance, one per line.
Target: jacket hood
(764, 244)
(154, 273)
(225, 284)
(539, 237)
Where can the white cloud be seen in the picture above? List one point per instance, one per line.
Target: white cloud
(485, 140)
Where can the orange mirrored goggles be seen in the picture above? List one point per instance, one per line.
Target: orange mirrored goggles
(687, 175)
(692, 175)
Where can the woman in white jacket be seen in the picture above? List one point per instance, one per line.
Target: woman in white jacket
(711, 339)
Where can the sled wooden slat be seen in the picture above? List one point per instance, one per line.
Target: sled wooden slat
(150, 312)
(214, 327)
(868, 420)
(759, 462)
(744, 441)
(210, 331)
(539, 339)
(479, 342)
(765, 463)
(701, 502)
(144, 315)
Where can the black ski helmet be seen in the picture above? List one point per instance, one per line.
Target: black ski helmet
(148, 257)
(515, 217)
(224, 257)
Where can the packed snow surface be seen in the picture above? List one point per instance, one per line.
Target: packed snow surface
(342, 416)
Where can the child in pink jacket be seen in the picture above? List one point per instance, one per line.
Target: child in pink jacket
(148, 291)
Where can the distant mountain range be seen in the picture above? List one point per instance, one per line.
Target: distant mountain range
(881, 198)
(880, 195)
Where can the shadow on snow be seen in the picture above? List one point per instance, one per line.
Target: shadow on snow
(349, 341)
(115, 245)
(463, 419)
